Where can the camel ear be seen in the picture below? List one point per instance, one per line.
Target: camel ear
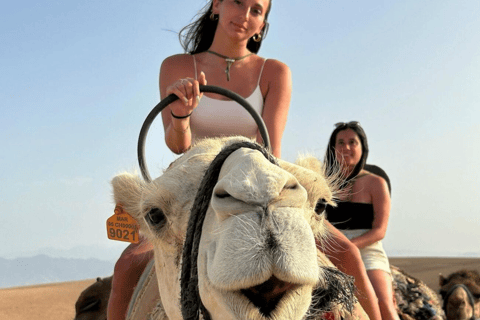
(127, 191)
(441, 280)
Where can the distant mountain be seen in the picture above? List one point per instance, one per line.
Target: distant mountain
(43, 269)
(99, 252)
(431, 253)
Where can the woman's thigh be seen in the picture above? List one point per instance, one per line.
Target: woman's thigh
(382, 284)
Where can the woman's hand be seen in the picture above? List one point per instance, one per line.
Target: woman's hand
(188, 92)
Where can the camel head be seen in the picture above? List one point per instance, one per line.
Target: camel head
(92, 302)
(233, 231)
(461, 295)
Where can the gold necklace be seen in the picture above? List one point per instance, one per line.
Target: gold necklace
(229, 61)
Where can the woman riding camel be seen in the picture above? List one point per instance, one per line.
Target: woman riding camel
(222, 46)
(363, 208)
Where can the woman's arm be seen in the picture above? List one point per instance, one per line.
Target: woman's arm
(379, 195)
(177, 77)
(276, 85)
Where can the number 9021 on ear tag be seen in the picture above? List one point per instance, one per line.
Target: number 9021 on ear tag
(122, 227)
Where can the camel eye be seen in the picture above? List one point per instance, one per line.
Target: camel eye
(321, 206)
(155, 216)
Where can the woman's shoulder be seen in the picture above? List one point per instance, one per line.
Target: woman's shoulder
(177, 60)
(275, 66)
(369, 178)
(373, 182)
(276, 74)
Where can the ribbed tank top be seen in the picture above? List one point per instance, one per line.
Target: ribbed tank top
(215, 118)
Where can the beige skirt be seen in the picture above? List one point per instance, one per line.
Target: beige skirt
(373, 256)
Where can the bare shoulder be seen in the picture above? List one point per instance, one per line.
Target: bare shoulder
(273, 68)
(375, 183)
(276, 77)
(177, 61)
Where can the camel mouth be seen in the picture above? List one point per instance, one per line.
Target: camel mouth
(267, 295)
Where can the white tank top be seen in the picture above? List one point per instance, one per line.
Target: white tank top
(215, 118)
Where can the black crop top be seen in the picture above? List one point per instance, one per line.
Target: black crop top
(351, 215)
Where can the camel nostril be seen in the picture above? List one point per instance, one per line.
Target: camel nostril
(291, 186)
(222, 194)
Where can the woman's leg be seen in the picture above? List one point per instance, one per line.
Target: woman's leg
(346, 257)
(128, 270)
(382, 283)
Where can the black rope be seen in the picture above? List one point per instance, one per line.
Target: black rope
(189, 295)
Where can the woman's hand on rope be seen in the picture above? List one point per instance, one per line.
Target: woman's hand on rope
(188, 92)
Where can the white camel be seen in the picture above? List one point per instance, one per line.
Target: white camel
(244, 246)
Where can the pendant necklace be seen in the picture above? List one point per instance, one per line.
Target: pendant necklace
(229, 61)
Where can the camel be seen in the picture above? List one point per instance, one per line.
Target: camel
(93, 301)
(243, 247)
(461, 294)
(256, 255)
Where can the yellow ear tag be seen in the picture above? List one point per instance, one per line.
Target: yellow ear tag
(122, 227)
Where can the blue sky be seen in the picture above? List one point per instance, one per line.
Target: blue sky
(78, 79)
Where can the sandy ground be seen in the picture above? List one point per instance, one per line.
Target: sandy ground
(57, 301)
(41, 302)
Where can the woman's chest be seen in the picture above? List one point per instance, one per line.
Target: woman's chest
(358, 192)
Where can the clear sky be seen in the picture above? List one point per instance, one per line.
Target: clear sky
(77, 80)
